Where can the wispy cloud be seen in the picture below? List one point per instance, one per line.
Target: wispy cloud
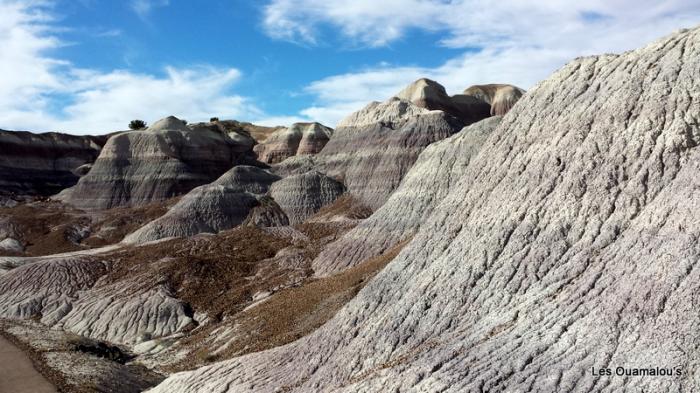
(42, 93)
(109, 33)
(143, 8)
(516, 41)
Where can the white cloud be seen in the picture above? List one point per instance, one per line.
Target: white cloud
(273, 121)
(105, 101)
(143, 8)
(41, 93)
(517, 41)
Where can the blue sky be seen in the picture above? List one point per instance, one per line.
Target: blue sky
(90, 66)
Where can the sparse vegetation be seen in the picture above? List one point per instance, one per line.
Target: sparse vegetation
(137, 124)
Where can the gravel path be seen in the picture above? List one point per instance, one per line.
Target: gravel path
(17, 373)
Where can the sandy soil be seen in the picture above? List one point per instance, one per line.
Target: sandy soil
(17, 373)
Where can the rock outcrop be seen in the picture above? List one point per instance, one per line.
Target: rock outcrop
(431, 178)
(214, 207)
(568, 244)
(63, 291)
(257, 132)
(44, 287)
(301, 196)
(372, 149)
(500, 97)
(10, 244)
(429, 94)
(43, 164)
(165, 160)
(298, 139)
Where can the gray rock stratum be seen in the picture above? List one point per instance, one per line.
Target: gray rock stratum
(436, 171)
(165, 160)
(372, 149)
(298, 139)
(301, 196)
(43, 164)
(431, 95)
(500, 97)
(570, 242)
(65, 292)
(211, 208)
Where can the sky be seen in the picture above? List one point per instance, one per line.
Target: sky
(91, 66)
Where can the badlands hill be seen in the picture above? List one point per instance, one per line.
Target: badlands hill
(165, 160)
(298, 139)
(232, 271)
(43, 164)
(372, 149)
(568, 242)
(427, 247)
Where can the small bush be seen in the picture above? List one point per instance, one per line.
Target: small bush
(184, 121)
(213, 119)
(137, 124)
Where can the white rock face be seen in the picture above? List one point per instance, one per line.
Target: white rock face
(65, 292)
(125, 315)
(429, 94)
(301, 196)
(11, 244)
(393, 110)
(298, 139)
(211, 208)
(46, 286)
(430, 179)
(570, 242)
(372, 149)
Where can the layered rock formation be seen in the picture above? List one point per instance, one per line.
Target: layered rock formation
(298, 139)
(431, 95)
(167, 159)
(372, 149)
(214, 207)
(500, 97)
(431, 178)
(569, 243)
(301, 196)
(43, 164)
(63, 291)
(259, 133)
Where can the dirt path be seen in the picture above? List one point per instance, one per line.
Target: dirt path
(17, 373)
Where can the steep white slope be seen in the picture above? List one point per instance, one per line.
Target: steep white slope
(372, 149)
(571, 242)
(430, 179)
(298, 139)
(61, 292)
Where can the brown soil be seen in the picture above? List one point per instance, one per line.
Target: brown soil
(289, 314)
(123, 221)
(346, 206)
(207, 272)
(46, 227)
(218, 274)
